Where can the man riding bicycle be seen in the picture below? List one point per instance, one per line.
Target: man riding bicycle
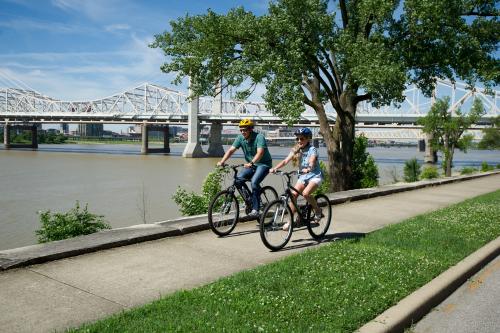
(258, 160)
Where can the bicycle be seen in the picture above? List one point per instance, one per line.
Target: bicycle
(278, 213)
(224, 209)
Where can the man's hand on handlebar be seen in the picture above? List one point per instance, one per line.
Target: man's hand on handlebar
(220, 164)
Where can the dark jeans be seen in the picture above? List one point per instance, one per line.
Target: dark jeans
(256, 175)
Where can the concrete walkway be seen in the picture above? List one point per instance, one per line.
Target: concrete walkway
(71, 291)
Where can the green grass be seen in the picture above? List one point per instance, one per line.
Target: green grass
(335, 288)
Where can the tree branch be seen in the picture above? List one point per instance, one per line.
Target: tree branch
(368, 26)
(361, 98)
(343, 10)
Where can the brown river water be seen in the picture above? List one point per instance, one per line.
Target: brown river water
(129, 188)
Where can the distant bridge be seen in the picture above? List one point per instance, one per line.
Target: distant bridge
(151, 104)
(155, 104)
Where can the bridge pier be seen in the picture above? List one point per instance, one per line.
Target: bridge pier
(215, 148)
(145, 139)
(34, 137)
(6, 135)
(193, 148)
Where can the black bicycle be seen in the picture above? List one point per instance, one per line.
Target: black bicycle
(277, 222)
(224, 209)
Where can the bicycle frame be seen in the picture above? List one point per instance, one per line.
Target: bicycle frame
(288, 196)
(247, 197)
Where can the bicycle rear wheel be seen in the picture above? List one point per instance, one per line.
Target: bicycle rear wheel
(318, 228)
(273, 219)
(223, 213)
(267, 194)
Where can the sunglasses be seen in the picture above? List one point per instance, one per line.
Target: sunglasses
(301, 138)
(244, 129)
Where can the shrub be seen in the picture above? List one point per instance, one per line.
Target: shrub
(467, 170)
(191, 203)
(429, 172)
(76, 222)
(365, 171)
(486, 167)
(325, 185)
(498, 166)
(411, 170)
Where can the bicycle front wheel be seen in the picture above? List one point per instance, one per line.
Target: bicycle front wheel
(276, 225)
(223, 213)
(318, 227)
(267, 194)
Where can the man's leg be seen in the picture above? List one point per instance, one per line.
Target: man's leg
(244, 175)
(261, 172)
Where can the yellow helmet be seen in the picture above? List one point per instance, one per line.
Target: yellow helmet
(247, 122)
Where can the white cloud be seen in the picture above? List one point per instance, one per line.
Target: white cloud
(116, 27)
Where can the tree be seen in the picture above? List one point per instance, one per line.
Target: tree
(491, 136)
(316, 53)
(447, 128)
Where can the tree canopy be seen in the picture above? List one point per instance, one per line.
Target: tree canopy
(319, 52)
(447, 128)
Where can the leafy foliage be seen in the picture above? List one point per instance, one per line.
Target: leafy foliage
(191, 203)
(325, 185)
(486, 167)
(411, 170)
(365, 171)
(429, 172)
(491, 136)
(468, 170)
(447, 128)
(76, 222)
(304, 54)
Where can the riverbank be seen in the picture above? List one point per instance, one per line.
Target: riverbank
(81, 289)
(129, 188)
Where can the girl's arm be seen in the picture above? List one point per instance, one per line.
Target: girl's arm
(312, 163)
(282, 163)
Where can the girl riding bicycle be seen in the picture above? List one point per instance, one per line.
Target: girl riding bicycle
(310, 176)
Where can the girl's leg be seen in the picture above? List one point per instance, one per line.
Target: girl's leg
(307, 193)
(299, 186)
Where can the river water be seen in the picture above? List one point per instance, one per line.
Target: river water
(129, 188)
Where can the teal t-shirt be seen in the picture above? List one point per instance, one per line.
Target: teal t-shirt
(256, 140)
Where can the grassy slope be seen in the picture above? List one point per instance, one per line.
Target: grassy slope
(334, 288)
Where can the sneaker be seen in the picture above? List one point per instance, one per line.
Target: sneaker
(254, 214)
(298, 222)
(318, 216)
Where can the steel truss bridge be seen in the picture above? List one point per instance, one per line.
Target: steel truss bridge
(153, 104)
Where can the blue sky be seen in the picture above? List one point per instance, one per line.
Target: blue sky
(89, 49)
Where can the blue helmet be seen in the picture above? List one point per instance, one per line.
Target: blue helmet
(305, 131)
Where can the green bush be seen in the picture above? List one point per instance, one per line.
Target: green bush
(498, 166)
(365, 171)
(325, 185)
(429, 172)
(191, 203)
(468, 170)
(411, 170)
(486, 167)
(76, 222)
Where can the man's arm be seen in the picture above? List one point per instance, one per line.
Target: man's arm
(256, 158)
(227, 155)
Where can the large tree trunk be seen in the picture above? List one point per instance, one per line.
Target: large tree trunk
(339, 142)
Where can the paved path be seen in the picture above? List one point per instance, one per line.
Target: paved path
(473, 308)
(68, 292)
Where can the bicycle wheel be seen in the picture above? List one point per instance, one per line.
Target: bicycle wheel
(267, 194)
(275, 216)
(318, 229)
(223, 213)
